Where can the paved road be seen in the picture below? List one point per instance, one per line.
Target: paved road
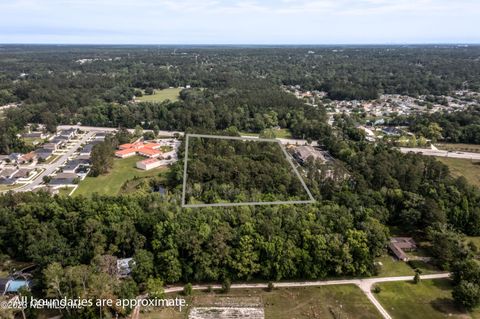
(171, 133)
(50, 168)
(364, 284)
(440, 153)
(110, 129)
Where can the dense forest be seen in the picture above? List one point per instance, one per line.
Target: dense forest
(232, 171)
(456, 127)
(239, 86)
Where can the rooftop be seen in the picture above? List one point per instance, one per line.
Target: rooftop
(152, 145)
(126, 151)
(65, 176)
(149, 151)
(149, 161)
(130, 145)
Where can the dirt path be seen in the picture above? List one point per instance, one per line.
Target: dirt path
(364, 284)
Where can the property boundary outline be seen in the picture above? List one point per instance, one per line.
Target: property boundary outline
(242, 138)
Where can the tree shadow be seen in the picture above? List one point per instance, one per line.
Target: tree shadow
(446, 306)
(443, 284)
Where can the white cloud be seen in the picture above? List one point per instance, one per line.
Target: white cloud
(236, 21)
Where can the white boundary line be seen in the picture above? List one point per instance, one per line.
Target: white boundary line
(241, 138)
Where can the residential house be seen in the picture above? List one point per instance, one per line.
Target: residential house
(74, 165)
(14, 157)
(23, 174)
(63, 179)
(4, 159)
(27, 158)
(400, 245)
(60, 141)
(87, 149)
(39, 135)
(44, 154)
(8, 173)
(69, 134)
(100, 136)
(53, 145)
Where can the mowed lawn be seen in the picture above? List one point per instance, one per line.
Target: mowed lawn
(111, 183)
(171, 94)
(342, 301)
(430, 299)
(463, 167)
(391, 266)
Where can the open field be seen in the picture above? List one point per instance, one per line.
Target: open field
(459, 147)
(393, 267)
(343, 301)
(111, 183)
(248, 134)
(65, 191)
(32, 141)
(463, 167)
(283, 133)
(428, 299)
(167, 313)
(161, 95)
(280, 133)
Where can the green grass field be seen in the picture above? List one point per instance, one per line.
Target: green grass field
(248, 134)
(343, 301)
(463, 167)
(283, 133)
(31, 141)
(65, 191)
(430, 299)
(161, 95)
(459, 147)
(393, 267)
(280, 133)
(111, 183)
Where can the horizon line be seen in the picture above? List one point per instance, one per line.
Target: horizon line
(243, 44)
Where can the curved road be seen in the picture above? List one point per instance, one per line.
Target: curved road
(365, 284)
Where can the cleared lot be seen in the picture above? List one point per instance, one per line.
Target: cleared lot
(342, 301)
(430, 299)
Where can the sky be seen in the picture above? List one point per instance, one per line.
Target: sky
(239, 22)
